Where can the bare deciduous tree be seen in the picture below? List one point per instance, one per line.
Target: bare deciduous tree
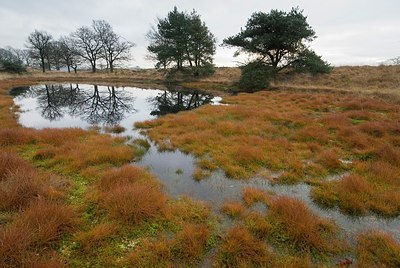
(38, 42)
(88, 45)
(115, 48)
(68, 53)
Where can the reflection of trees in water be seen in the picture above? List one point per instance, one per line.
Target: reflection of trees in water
(106, 107)
(175, 101)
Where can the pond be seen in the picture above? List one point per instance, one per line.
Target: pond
(83, 106)
(72, 105)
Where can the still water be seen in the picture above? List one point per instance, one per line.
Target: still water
(72, 105)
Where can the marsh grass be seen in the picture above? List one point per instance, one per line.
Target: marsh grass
(117, 129)
(302, 136)
(39, 226)
(191, 242)
(295, 225)
(240, 248)
(233, 209)
(377, 249)
(69, 199)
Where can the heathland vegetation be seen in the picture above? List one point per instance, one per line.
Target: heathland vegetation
(72, 197)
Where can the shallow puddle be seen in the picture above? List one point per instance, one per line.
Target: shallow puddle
(71, 105)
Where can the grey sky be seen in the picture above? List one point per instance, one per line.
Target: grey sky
(354, 32)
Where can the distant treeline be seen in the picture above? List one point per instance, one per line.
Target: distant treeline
(181, 42)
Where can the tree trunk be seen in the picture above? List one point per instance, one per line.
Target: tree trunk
(69, 70)
(111, 65)
(93, 67)
(43, 67)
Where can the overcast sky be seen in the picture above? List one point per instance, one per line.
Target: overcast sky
(350, 32)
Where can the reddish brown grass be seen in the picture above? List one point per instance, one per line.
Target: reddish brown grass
(96, 236)
(312, 133)
(127, 174)
(389, 153)
(303, 229)
(134, 203)
(385, 172)
(19, 189)
(376, 249)
(330, 159)
(47, 221)
(14, 243)
(11, 163)
(16, 136)
(240, 249)
(75, 153)
(59, 137)
(190, 243)
(252, 195)
(352, 192)
(152, 254)
(233, 209)
(258, 224)
(185, 210)
(37, 228)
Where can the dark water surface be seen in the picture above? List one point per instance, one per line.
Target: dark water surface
(71, 105)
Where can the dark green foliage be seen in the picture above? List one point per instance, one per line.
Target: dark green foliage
(255, 76)
(182, 40)
(9, 62)
(310, 62)
(12, 67)
(277, 38)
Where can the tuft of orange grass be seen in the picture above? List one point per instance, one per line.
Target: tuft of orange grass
(16, 136)
(303, 230)
(37, 228)
(126, 174)
(352, 192)
(134, 203)
(251, 195)
(240, 249)
(47, 221)
(186, 210)
(258, 224)
(77, 153)
(152, 254)
(14, 243)
(11, 163)
(96, 236)
(190, 243)
(20, 183)
(385, 172)
(20, 188)
(377, 249)
(233, 209)
(330, 159)
(59, 137)
(355, 194)
(388, 153)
